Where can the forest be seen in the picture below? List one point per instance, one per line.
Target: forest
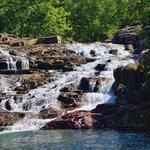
(80, 20)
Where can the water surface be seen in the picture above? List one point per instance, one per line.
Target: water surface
(74, 140)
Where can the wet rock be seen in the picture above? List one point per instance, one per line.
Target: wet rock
(68, 88)
(56, 65)
(75, 120)
(27, 105)
(14, 53)
(3, 65)
(104, 109)
(30, 82)
(113, 51)
(7, 105)
(143, 94)
(109, 61)
(96, 87)
(19, 64)
(129, 47)
(10, 72)
(70, 99)
(84, 84)
(68, 52)
(48, 113)
(93, 53)
(49, 40)
(100, 67)
(124, 76)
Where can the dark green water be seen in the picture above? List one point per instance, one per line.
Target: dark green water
(74, 140)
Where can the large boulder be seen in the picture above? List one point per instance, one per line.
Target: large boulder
(75, 120)
(127, 80)
(127, 36)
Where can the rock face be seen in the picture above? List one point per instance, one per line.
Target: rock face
(75, 120)
(133, 98)
(127, 36)
(127, 80)
(8, 118)
(130, 37)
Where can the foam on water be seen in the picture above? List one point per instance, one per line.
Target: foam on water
(46, 96)
(12, 60)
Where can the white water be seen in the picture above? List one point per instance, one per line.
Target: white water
(12, 60)
(46, 96)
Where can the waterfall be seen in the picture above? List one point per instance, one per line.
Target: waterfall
(46, 96)
(12, 60)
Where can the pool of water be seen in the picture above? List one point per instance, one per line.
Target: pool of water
(74, 140)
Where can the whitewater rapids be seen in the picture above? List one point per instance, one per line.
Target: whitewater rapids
(46, 96)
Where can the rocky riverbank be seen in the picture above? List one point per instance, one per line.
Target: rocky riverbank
(48, 85)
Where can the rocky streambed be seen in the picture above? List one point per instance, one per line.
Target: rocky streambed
(70, 86)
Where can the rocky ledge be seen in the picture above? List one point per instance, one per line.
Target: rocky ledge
(131, 112)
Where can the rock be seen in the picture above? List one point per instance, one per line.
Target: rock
(113, 51)
(16, 43)
(129, 47)
(8, 118)
(7, 105)
(70, 99)
(49, 40)
(48, 113)
(109, 61)
(93, 53)
(127, 36)
(100, 67)
(75, 120)
(56, 65)
(124, 76)
(30, 42)
(10, 72)
(68, 52)
(96, 87)
(84, 84)
(68, 88)
(105, 109)
(3, 65)
(27, 105)
(19, 65)
(30, 82)
(66, 100)
(14, 53)
(143, 94)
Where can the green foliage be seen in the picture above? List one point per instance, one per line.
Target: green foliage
(82, 20)
(33, 17)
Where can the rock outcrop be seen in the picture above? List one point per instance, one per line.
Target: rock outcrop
(75, 120)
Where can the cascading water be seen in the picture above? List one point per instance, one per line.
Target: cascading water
(12, 61)
(46, 96)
